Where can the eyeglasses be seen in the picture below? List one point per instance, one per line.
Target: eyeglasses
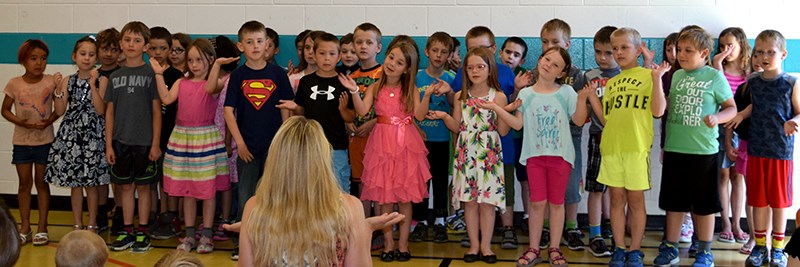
(177, 51)
(768, 53)
(476, 67)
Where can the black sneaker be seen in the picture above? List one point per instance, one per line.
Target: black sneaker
(142, 243)
(124, 241)
(524, 226)
(573, 240)
(607, 232)
(165, 229)
(544, 242)
(440, 233)
(235, 254)
(599, 248)
(419, 233)
(509, 240)
(117, 222)
(102, 222)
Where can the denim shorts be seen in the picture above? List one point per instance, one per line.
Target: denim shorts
(341, 168)
(30, 154)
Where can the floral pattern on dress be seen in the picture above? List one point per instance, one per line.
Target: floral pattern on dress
(77, 156)
(478, 161)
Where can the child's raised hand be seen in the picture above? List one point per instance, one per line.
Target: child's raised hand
(348, 83)
(647, 54)
(436, 115)
(490, 105)
(290, 67)
(343, 99)
(225, 60)
(523, 79)
(790, 127)
(588, 89)
(443, 87)
(659, 70)
(711, 120)
(157, 68)
(721, 55)
(287, 104)
(514, 105)
(93, 75)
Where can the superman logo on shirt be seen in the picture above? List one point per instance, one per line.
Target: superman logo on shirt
(258, 91)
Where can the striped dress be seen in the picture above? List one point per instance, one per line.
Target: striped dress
(196, 157)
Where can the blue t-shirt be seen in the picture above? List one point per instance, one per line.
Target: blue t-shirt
(772, 107)
(506, 78)
(435, 130)
(253, 94)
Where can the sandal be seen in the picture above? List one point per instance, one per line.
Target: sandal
(725, 237)
(77, 227)
(25, 238)
(741, 237)
(530, 261)
(559, 256)
(747, 248)
(93, 228)
(40, 239)
(509, 239)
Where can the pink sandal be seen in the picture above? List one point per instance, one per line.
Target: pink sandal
(747, 248)
(531, 261)
(726, 237)
(741, 237)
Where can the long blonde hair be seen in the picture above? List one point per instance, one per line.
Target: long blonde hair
(298, 213)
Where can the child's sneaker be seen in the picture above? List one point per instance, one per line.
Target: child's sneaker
(618, 258)
(573, 240)
(544, 242)
(757, 256)
(606, 231)
(187, 244)
(142, 243)
(456, 224)
(206, 245)
(465, 241)
(419, 233)
(599, 248)
(704, 258)
(635, 259)
(219, 234)
(235, 254)
(124, 241)
(686, 233)
(440, 233)
(117, 222)
(693, 249)
(166, 228)
(778, 258)
(667, 255)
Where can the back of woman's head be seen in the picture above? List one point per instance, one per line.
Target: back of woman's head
(300, 197)
(9, 237)
(178, 258)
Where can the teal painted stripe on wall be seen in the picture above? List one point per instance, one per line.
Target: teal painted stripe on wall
(582, 49)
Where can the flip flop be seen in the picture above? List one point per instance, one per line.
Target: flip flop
(746, 248)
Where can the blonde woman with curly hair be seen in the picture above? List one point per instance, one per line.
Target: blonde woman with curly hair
(299, 216)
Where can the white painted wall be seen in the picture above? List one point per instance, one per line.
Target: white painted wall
(653, 18)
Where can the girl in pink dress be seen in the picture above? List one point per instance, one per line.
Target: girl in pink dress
(396, 169)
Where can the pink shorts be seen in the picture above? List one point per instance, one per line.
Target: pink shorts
(548, 177)
(741, 160)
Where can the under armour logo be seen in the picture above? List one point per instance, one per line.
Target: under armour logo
(317, 92)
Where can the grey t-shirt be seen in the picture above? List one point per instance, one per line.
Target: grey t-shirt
(132, 90)
(600, 76)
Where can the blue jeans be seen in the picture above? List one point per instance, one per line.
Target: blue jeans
(341, 168)
(573, 194)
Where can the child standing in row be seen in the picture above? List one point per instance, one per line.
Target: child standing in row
(597, 204)
(31, 95)
(108, 55)
(395, 168)
(308, 55)
(775, 106)
(77, 158)
(547, 151)
(429, 83)
(630, 101)
(347, 53)
(322, 97)
(133, 132)
(478, 176)
(700, 99)
(196, 155)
